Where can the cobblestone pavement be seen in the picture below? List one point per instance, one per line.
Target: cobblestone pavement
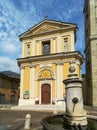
(14, 120)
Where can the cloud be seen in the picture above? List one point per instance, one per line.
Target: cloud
(8, 47)
(6, 63)
(13, 22)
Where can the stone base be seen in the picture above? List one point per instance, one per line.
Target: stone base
(25, 102)
(82, 120)
(58, 101)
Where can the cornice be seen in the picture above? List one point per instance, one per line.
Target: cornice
(55, 56)
(47, 32)
(27, 65)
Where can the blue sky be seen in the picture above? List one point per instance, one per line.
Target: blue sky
(17, 16)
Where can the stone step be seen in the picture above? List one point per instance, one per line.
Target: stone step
(40, 107)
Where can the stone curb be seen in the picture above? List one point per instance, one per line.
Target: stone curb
(92, 117)
(38, 128)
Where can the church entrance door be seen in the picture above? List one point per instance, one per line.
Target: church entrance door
(45, 94)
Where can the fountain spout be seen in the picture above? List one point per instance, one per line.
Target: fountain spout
(75, 101)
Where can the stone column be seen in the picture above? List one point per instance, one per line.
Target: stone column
(32, 81)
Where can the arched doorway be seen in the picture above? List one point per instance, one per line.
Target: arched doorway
(45, 94)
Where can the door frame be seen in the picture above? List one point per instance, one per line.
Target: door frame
(50, 83)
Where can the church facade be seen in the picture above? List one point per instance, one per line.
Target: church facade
(47, 54)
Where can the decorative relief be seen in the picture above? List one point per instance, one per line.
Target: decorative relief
(28, 65)
(45, 29)
(72, 69)
(46, 65)
(46, 74)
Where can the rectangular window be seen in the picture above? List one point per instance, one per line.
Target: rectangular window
(65, 44)
(46, 47)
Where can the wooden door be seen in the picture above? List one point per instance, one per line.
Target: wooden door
(45, 94)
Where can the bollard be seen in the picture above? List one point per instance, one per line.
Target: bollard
(3, 128)
(55, 112)
(27, 122)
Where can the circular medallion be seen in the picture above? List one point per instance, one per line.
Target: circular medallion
(72, 69)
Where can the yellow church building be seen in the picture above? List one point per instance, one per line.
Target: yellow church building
(47, 54)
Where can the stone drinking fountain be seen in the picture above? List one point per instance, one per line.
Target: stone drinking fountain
(75, 116)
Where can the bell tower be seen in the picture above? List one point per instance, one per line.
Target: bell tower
(90, 23)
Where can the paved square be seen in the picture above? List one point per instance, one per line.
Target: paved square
(15, 120)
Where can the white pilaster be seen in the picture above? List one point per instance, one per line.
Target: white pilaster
(38, 47)
(59, 44)
(22, 50)
(21, 82)
(72, 41)
(59, 79)
(33, 48)
(32, 82)
(54, 45)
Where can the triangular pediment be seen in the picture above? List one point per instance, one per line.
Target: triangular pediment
(47, 26)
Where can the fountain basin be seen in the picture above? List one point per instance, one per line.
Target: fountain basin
(53, 122)
(57, 122)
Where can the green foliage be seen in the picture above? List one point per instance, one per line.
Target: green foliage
(26, 92)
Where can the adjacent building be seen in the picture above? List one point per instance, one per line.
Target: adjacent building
(47, 53)
(9, 87)
(90, 16)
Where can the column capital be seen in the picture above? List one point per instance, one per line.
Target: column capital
(22, 67)
(32, 65)
(59, 62)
